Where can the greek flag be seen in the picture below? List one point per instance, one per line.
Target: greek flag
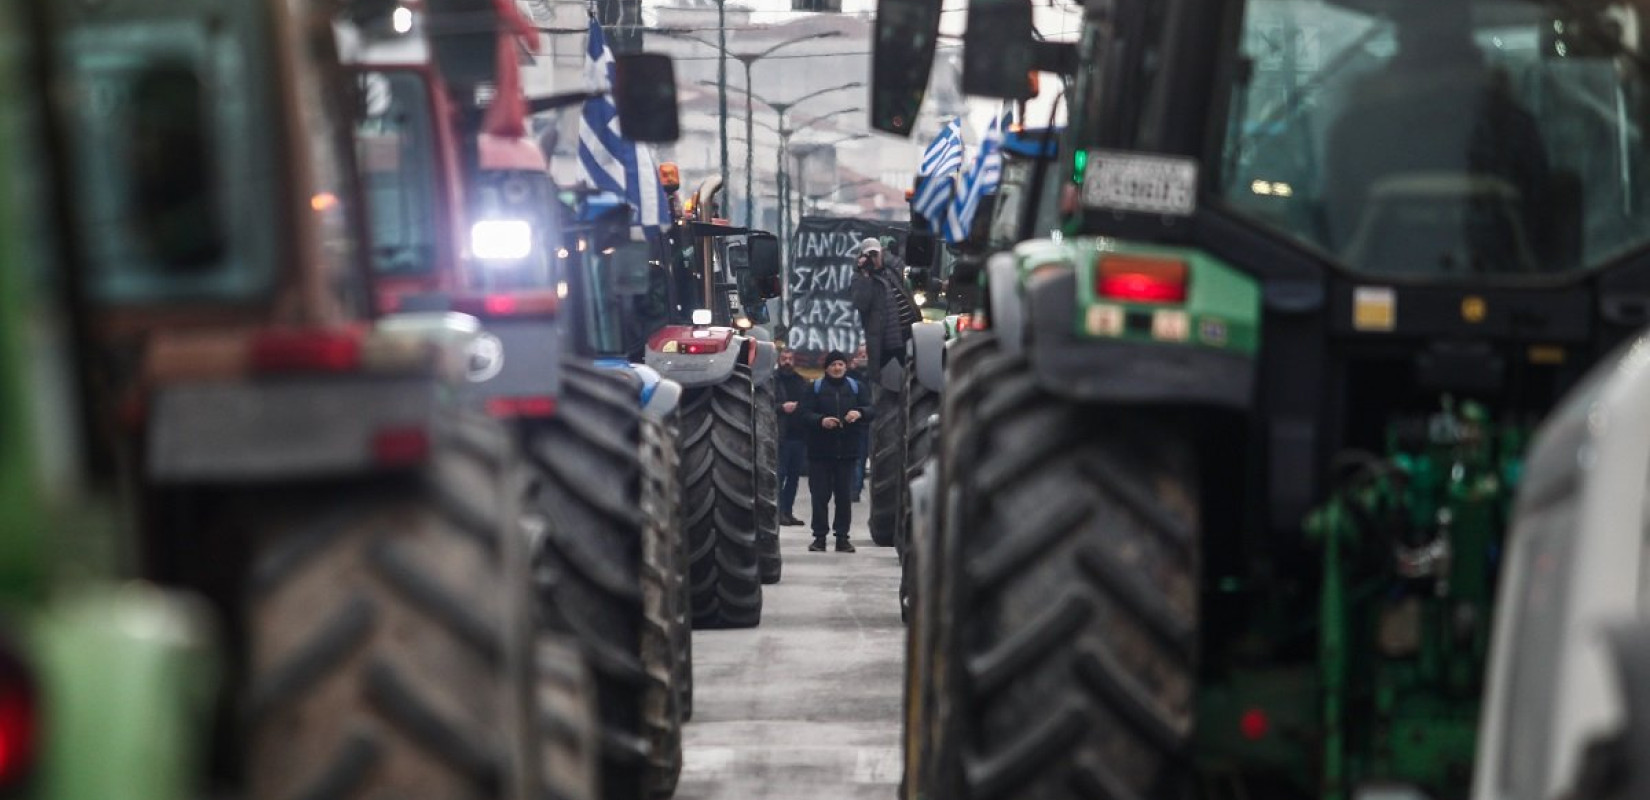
(607, 160)
(939, 165)
(980, 181)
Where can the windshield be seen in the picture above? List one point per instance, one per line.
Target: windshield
(398, 147)
(160, 122)
(1491, 137)
(603, 308)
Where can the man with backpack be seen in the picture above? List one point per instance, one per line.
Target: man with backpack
(835, 411)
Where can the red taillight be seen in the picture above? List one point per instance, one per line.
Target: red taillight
(307, 351)
(515, 304)
(512, 407)
(1141, 279)
(19, 722)
(1254, 724)
(701, 348)
(400, 447)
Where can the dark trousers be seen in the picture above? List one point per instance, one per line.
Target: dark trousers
(828, 478)
(793, 464)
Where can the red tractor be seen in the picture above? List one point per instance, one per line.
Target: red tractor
(292, 450)
(729, 440)
(466, 220)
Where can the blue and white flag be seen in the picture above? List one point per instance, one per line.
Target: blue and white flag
(607, 160)
(981, 180)
(938, 172)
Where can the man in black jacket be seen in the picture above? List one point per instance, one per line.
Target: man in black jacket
(834, 409)
(886, 309)
(790, 390)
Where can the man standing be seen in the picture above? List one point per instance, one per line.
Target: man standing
(790, 390)
(834, 410)
(886, 309)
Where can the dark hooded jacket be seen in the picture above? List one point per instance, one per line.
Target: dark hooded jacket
(886, 311)
(835, 397)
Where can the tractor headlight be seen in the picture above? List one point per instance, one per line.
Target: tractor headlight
(501, 239)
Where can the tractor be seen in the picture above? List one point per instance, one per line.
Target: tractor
(729, 444)
(292, 454)
(947, 292)
(1564, 711)
(467, 220)
(1224, 478)
(107, 684)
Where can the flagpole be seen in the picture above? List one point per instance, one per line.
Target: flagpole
(722, 83)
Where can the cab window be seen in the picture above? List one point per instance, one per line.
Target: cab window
(1494, 137)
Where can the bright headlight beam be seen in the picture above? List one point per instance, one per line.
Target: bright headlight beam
(402, 19)
(501, 239)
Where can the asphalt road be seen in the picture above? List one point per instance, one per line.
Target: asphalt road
(807, 705)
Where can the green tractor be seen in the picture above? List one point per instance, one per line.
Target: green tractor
(946, 284)
(1224, 479)
(106, 684)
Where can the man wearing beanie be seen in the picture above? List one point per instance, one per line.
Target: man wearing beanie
(834, 410)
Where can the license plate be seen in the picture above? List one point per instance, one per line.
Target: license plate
(1132, 182)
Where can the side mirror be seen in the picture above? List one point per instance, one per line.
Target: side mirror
(644, 89)
(902, 56)
(629, 270)
(998, 50)
(763, 251)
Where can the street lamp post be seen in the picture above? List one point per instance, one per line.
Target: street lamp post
(748, 59)
(781, 109)
(783, 181)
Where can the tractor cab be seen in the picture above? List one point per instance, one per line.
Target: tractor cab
(617, 286)
(1349, 252)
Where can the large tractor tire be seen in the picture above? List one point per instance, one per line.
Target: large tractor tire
(928, 612)
(681, 628)
(388, 632)
(887, 465)
(921, 405)
(1073, 539)
(769, 563)
(717, 447)
(661, 590)
(684, 624)
(569, 761)
(603, 576)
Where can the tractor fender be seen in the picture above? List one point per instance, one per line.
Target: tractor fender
(1120, 370)
(128, 677)
(657, 395)
(1576, 537)
(764, 360)
(694, 369)
(661, 396)
(1007, 313)
(928, 354)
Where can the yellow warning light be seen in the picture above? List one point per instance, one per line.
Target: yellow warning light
(325, 201)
